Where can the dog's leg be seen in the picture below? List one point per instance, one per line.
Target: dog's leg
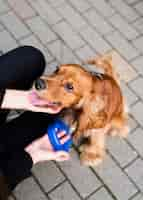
(120, 126)
(93, 153)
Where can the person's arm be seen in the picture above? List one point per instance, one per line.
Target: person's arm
(14, 99)
(17, 99)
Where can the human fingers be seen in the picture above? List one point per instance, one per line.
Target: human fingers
(62, 156)
(61, 134)
(65, 139)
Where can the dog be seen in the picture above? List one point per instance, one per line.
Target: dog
(97, 98)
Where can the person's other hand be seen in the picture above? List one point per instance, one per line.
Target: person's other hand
(42, 150)
(26, 100)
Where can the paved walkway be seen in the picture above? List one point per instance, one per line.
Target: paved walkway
(71, 31)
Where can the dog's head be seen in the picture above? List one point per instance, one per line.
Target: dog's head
(68, 87)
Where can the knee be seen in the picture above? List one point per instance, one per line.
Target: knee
(36, 57)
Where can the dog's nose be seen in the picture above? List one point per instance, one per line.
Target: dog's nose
(40, 84)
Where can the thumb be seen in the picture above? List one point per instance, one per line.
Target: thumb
(62, 156)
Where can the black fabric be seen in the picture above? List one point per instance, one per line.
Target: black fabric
(2, 93)
(18, 69)
(4, 191)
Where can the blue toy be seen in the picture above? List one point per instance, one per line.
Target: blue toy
(52, 131)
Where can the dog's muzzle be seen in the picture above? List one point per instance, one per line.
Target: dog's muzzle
(40, 84)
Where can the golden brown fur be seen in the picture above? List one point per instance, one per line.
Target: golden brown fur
(100, 100)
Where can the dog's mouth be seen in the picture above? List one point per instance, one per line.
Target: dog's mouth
(36, 100)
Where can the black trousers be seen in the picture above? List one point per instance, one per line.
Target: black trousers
(18, 69)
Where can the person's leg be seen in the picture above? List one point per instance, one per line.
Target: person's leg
(21, 131)
(17, 134)
(20, 67)
(15, 167)
(4, 190)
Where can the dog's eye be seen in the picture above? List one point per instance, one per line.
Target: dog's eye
(68, 87)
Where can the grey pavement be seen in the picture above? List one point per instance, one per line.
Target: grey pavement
(70, 31)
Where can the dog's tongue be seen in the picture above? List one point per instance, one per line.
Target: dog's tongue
(35, 100)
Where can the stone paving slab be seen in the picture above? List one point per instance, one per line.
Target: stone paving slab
(130, 96)
(62, 52)
(137, 64)
(136, 140)
(64, 192)
(124, 27)
(54, 177)
(41, 29)
(122, 45)
(138, 197)
(138, 43)
(115, 179)
(136, 86)
(125, 10)
(85, 52)
(67, 34)
(132, 124)
(14, 25)
(1, 27)
(135, 171)
(56, 3)
(95, 40)
(103, 7)
(71, 31)
(46, 11)
(121, 151)
(22, 8)
(137, 111)
(101, 194)
(80, 5)
(82, 178)
(138, 25)
(3, 7)
(139, 7)
(98, 21)
(131, 1)
(29, 190)
(68, 12)
(7, 42)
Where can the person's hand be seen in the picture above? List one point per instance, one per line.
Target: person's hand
(42, 150)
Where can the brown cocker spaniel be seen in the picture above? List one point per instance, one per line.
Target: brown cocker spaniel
(97, 97)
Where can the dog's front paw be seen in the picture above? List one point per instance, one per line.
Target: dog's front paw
(123, 133)
(91, 159)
